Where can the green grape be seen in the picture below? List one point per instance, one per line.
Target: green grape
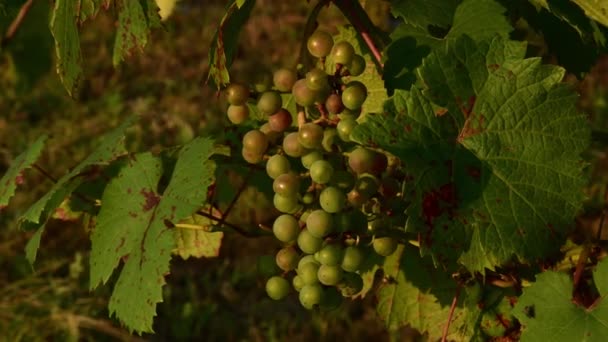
(351, 284)
(378, 225)
(267, 266)
(237, 114)
(332, 200)
(316, 79)
(308, 198)
(237, 94)
(321, 171)
(352, 259)
(286, 228)
(361, 160)
(345, 127)
(310, 295)
(273, 136)
(351, 221)
(309, 243)
(330, 255)
(303, 95)
(292, 146)
(319, 44)
(309, 158)
(252, 157)
(277, 165)
(310, 135)
(308, 273)
(331, 299)
(357, 65)
(286, 204)
(385, 246)
(284, 79)
(277, 288)
(355, 198)
(255, 141)
(280, 121)
(343, 53)
(334, 104)
(354, 95)
(270, 102)
(367, 185)
(319, 223)
(297, 283)
(287, 258)
(306, 259)
(342, 180)
(330, 275)
(287, 184)
(329, 139)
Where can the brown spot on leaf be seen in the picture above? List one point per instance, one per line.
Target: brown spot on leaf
(408, 128)
(493, 67)
(152, 199)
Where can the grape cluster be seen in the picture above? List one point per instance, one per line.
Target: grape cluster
(331, 192)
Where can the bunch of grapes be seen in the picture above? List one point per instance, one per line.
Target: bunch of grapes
(332, 193)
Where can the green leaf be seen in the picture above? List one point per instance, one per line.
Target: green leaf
(225, 41)
(14, 175)
(422, 13)
(134, 225)
(198, 243)
(493, 146)
(548, 313)
(420, 295)
(63, 26)
(135, 20)
(595, 9)
(110, 148)
(412, 41)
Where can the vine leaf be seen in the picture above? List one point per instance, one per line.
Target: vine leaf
(493, 146)
(64, 28)
(14, 175)
(223, 46)
(135, 225)
(135, 20)
(198, 243)
(413, 40)
(418, 295)
(595, 9)
(547, 312)
(110, 148)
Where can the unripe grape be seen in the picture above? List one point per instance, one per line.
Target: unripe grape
(297, 283)
(332, 199)
(354, 95)
(367, 185)
(361, 160)
(284, 79)
(329, 138)
(351, 284)
(308, 243)
(252, 157)
(310, 295)
(308, 272)
(303, 95)
(319, 44)
(310, 135)
(237, 114)
(329, 275)
(316, 79)
(255, 141)
(352, 259)
(355, 198)
(273, 136)
(306, 259)
(330, 255)
(277, 165)
(309, 158)
(286, 228)
(286, 204)
(287, 184)
(385, 246)
(280, 121)
(357, 65)
(321, 171)
(277, 288)
(292, 146)
(287, 259)
(343, 53)
(334, 104)
(308, 198)
(319, 223)
(270, 102)
(345, 127)
(237, 94)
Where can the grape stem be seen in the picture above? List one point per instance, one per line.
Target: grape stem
(54, 180)
(14, 26)
(234, 227)
(446, 329)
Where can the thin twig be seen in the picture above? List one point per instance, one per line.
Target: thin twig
(580, 265)
(228, 224)
(55, 180)
(446, 329)
(12, 29)
(238, 194)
